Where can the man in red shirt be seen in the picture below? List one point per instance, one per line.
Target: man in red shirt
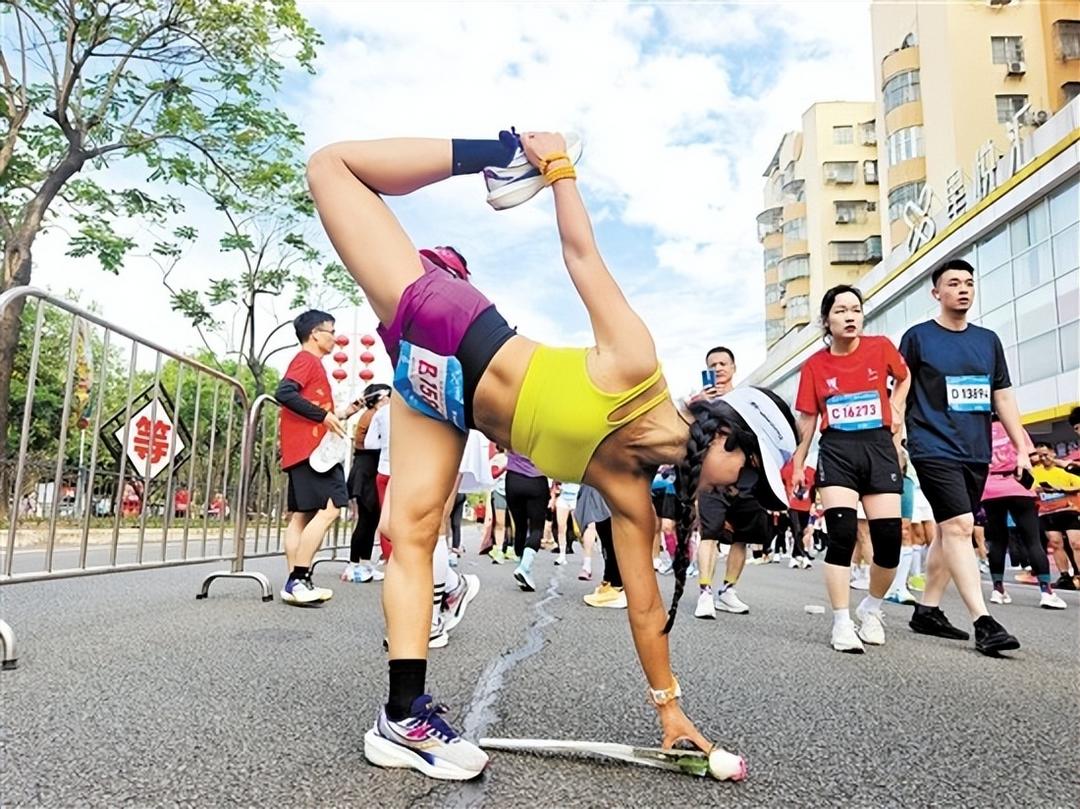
(312, 438)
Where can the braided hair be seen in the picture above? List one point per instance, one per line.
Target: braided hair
(711, 418)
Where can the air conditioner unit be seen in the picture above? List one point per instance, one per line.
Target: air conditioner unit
(1038, 117)
(1016, 69)
(831, 174)
(845, 217)
(871, 206)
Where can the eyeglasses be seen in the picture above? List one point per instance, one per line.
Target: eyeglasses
(331, 332)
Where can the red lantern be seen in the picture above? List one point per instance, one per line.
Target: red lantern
(341, 358)
(341, 340)
(367, 374)
(368, 340)
(339, 374)
(367, 358)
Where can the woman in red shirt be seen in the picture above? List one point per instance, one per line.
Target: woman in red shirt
(845, 386)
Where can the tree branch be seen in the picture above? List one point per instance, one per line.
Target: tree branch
(278, 350)
(44, 41)
(114, 77)
(276, 329)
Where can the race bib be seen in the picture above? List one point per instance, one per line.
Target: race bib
(431, 384)
(968, 394)
(854, 411)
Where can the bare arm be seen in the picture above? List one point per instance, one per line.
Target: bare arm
(1009, 416)
(898, 401)
(807, 424)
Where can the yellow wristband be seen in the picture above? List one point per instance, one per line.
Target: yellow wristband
(563, 173)
(551, 158)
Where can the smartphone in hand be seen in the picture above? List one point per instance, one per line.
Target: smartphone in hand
(1027, 480)
(708, 378)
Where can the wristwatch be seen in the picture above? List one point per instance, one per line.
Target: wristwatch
(662, 696)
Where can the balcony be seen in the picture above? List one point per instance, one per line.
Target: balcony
(772, 257)
(853, 211)
(795, 267)
(841, 173)
(862, 252)
(794, 191)
(797, 308)
(769, 221)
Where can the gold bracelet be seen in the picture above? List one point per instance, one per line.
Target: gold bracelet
(659, 697)
(561, 173)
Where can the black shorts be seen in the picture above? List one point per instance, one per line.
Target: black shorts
(480, 343)
(309, 490)
(663, 504)
(951, 487)
(740, 516)
(799, 519)
(1060, 521)
(863, 460)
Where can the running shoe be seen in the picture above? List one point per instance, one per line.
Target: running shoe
(1052, 601)
(729, 601)
(984, 567)
(1065, 582)
(357, 573)
(496, 556)
(692, 571)
(509, 555)
(901, 596)
(705, 606)
(656, 563)
(1000, 597)
(917, 582)
(299, 592)
(860, 578)
(376, 574)
(844, 639)
(560, 559)
(584, 575)
(322, 593)
(1025, 577)
(524, 579)
(521, 180)
(805, 563)
(794, 562)
(871, 626)
(932, 621)
(991, 638)
(459, 598)
(423, 741)
(438, 637)
(606, 596)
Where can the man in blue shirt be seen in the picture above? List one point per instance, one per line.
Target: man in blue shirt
(959, 377)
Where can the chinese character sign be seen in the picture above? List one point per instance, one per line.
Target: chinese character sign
(152, 439)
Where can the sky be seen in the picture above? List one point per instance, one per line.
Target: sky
(680, 105)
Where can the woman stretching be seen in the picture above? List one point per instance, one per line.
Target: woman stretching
(459, 365)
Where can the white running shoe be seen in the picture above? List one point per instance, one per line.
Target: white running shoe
(301, 591)
(423, 741)
(459, 598)
(438, 637)
(844, 639)
(560, 559)
(521, 180)
(1000, 597)
(728, 601)
(901, 595)
(794, 563)
(705, 606)
(860, 578)
(376, 574)
(805, 563)
(524, 579)
(1052, 601)
(871, 626)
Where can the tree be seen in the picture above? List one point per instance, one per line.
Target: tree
(181, 85)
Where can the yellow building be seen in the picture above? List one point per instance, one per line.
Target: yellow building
(952, 76)
(819, 225)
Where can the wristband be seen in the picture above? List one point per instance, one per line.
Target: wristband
(563, 173)
(551, 158)
(659, 697)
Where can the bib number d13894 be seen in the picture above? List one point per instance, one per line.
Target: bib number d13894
(431, 384)
(968, 394)
(854, 411)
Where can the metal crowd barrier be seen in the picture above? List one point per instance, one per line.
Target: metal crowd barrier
(263, 520)
(129, 459)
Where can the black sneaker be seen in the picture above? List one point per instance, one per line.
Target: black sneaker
(992, 638)
(932, 621)
(1064, 582)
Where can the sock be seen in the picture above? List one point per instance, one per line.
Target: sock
(453, 580)
(587, 565)
(869, 604)
(706, 588)
(300, 573)
(440, 563)
(406, 684)
(902, 569)
(727, 585)
(841, 617)
(999, 584)
(920, 558)
(437, 593)
(527, 559)
(473, 156)
(670, 543)
(1044, 583)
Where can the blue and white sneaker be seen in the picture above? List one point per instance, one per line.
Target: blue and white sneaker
(423, 741)
(521, 180)
(301, 591)
(524, 579)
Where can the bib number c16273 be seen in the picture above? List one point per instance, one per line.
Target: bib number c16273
(968, 394)
(854, 411)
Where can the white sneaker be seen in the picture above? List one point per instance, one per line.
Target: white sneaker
(998, 597)
(860, 578)
(794, 563)
(656, 563)
(728, 601)
(300, 591)
(705, 606)
(376, 574)
(1052, 601)
(844, 639)
(692, 571)
(805, 563)
(521, 180)
(423, 741)
(438, 637)
(560, 559)
(322, 593)
(459, 598)
(871, 626)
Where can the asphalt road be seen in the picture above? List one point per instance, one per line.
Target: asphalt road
(131, 692)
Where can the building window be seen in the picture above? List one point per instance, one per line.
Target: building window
(1008, 106)
(847, 211)
(905, 144)
(902, 88)
(868, 133)
(795, 191)
(1067, 34)
(797, 307)
(774, 330)
(843, 135)
(795, 267)
(900, 196)
(870, 172)
(795, 230)
(873, 248)
(840, 172)
(773, 293)
(1006, 49)
(772, 257)
(854, 252)
(1071, 90)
